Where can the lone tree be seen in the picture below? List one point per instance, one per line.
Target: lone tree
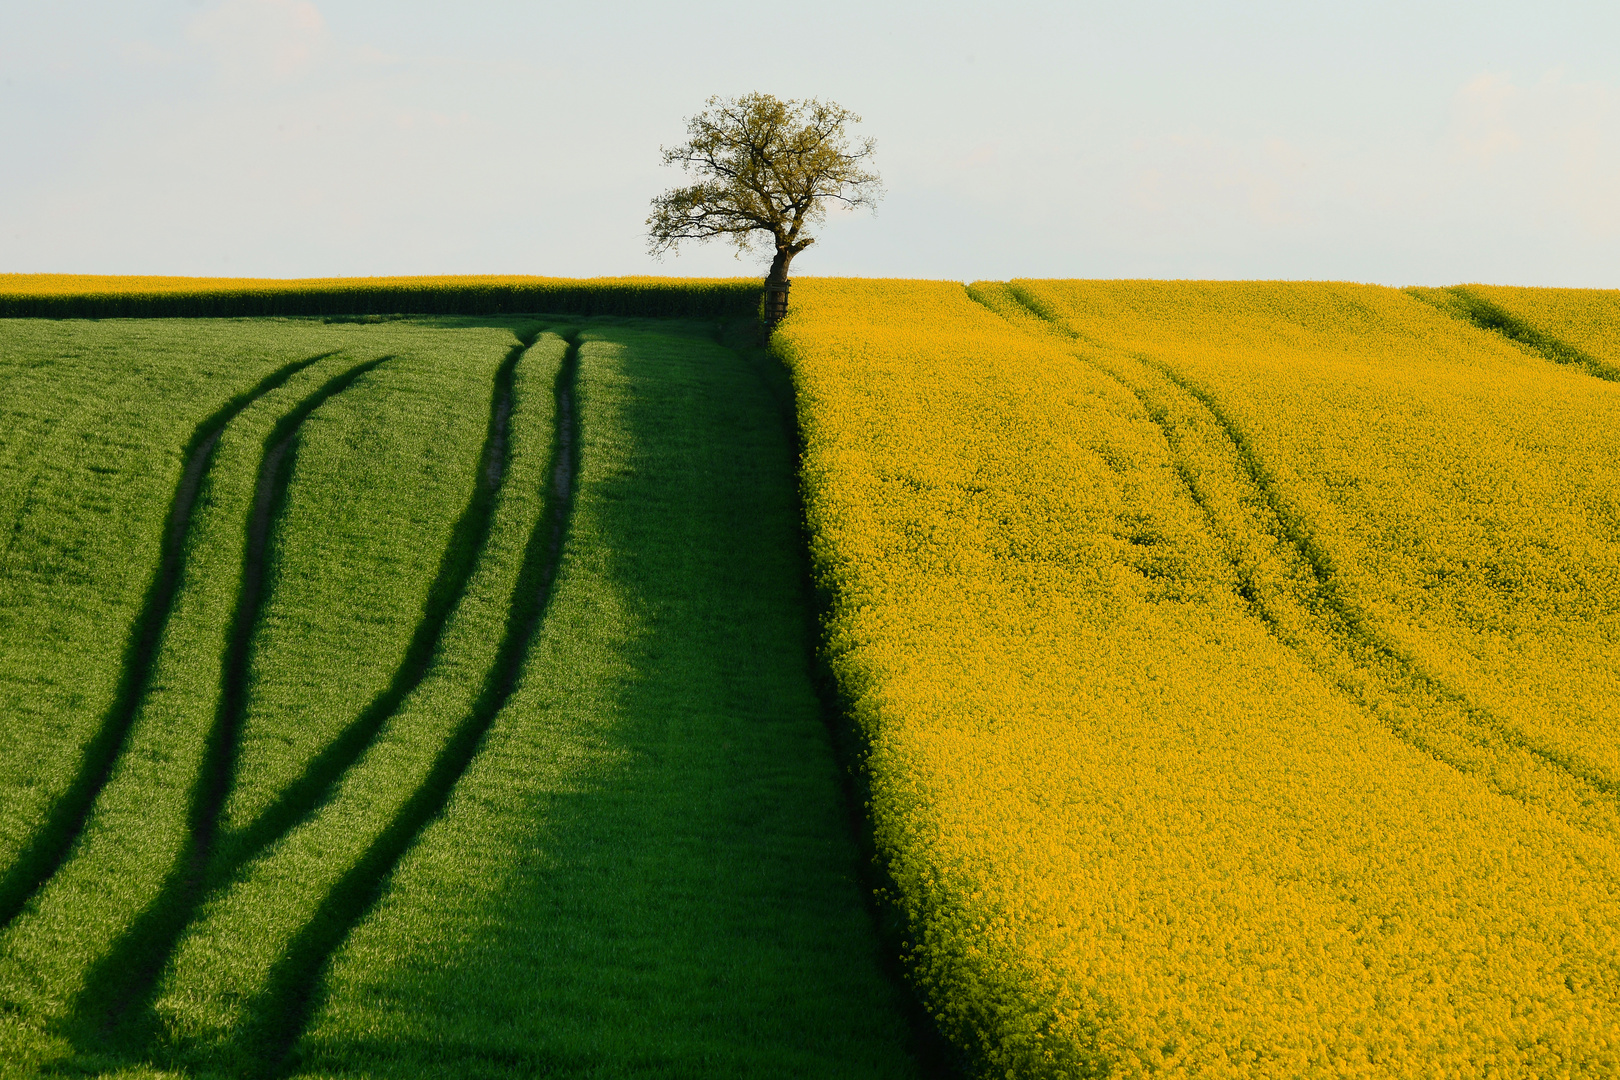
(763, 165)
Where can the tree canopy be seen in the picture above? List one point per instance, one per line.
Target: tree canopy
(763, 166)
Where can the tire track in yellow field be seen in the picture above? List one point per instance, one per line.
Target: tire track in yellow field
(1459, 301)
(1294, 587)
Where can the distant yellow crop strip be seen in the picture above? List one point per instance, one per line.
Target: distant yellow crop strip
(103, 296)
(1177, 668)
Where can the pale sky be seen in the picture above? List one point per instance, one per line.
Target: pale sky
(1404, 143)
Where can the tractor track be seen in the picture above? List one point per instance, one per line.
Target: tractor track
(1357, 625)
(314, 786)
(1492, 317)
(114, 1013)
(48, 849)
(1350, 631)
(277, 1018)
(121, 983)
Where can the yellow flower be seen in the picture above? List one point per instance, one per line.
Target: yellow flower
(1238, 666)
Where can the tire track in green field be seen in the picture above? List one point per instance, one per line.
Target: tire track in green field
(1361, 662)
(116, 1006)
(121, 983)
(278, 1016)
(48, 849)
(315, 784)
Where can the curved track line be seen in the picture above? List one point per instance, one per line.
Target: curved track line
(1358, 624)
(1493, 317)
(314, 787)
(1348, 627)
(278, 1016)
(124, 979)
(46, 852)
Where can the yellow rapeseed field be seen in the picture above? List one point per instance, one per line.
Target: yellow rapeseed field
(101, 284)
(96, 296)
(1238, 665)
(1441, 479)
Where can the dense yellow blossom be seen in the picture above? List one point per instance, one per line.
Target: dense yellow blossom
(1237, 664)
(1439, 477)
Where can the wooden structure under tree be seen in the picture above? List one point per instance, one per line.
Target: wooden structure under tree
(776, 302)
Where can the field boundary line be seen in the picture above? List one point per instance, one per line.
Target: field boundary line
(937, 1056)
(49, 847)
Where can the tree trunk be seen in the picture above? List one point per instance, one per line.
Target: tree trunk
(776, 288)
(779, 267)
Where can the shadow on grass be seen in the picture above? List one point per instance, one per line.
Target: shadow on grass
(935, 1054)
(657, 875)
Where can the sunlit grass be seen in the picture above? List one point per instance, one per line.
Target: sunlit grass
(647, 869)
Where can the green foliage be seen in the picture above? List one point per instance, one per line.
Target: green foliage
(764, 166)
(95, 933)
